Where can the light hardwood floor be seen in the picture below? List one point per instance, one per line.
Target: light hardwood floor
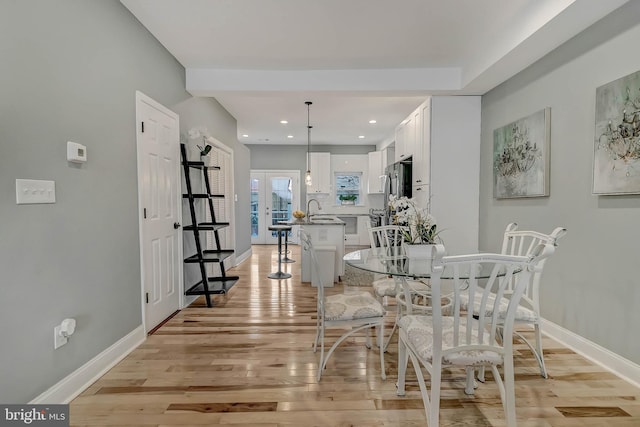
(248, 361)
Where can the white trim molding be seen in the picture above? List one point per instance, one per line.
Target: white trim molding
(618, 365)
(243, 257)
(80, 379)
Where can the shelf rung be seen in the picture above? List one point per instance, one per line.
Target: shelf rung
(203, 196)
(210, 256)
(216, 285)
(200, 165)
(207, 226)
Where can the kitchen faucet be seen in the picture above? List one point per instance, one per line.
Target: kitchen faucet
(309, 204)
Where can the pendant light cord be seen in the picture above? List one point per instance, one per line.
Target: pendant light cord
(308, 175)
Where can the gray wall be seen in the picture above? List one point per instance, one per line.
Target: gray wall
(69, 71)
(591, 285)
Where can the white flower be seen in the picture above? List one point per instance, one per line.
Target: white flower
(421, 225)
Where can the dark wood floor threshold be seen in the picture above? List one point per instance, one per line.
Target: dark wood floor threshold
(151, 332)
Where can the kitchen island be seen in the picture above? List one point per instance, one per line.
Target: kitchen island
(324, 230)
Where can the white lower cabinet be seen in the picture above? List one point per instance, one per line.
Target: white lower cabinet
(322, 236)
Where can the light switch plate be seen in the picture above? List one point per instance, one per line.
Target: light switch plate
(31, 191)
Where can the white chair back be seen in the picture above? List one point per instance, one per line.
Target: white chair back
(388, 238)
(523, 242)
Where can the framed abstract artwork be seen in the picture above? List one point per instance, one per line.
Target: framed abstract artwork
(521, 157)
(616, 158)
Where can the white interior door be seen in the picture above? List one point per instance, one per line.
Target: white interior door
(274, 197)
(160, 209)
(221, 182)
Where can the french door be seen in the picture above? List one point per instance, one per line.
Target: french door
(274, 196)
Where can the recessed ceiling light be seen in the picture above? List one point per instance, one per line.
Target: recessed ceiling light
(245, 136)
(373, 121)
(289, 136)
(284, 122)
(361, 136)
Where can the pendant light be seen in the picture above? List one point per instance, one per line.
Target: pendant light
(307, 177)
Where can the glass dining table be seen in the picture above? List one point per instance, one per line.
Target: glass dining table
(405, 270)
(375, 260)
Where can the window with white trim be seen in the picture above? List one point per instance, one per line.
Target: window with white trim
(347, 185)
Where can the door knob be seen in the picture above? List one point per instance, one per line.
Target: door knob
(176, 225)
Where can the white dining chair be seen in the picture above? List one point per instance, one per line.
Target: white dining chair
(353, 311)
(388, 241)
(523, 242)
(450, 336)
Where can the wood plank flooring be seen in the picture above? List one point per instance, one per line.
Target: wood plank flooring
(248, 361)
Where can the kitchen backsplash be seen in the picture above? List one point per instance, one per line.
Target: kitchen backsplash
(329, 206)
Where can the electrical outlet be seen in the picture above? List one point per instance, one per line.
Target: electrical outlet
(58, 339)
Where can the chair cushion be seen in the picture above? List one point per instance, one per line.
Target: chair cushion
(419, 331)
(387, 287)
(384, 287)
(523, 314)
(352, 306)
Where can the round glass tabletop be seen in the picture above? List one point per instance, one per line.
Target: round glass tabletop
(375, 261)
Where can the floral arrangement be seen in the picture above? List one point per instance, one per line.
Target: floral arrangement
(420, 225)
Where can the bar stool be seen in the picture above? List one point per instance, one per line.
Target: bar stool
(286, 249)
(280, 229)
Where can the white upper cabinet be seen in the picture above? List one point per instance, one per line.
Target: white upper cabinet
(320, 166)
(421, 166)
(375, 173)
(399, 146)
(388, 156)
(406, 137)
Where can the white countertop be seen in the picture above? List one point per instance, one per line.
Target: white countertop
(320, 220)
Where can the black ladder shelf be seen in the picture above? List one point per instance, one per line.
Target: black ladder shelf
(208, 285)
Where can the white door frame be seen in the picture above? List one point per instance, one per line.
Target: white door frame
(296, 193)
(140, 98)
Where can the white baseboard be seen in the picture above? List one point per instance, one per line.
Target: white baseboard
(79, 380)
(243, 257)
(618, 365)
(187, 300)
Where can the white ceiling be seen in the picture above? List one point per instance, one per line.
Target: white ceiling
(356, 60)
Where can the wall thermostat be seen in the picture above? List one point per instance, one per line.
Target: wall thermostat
(76, 153)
